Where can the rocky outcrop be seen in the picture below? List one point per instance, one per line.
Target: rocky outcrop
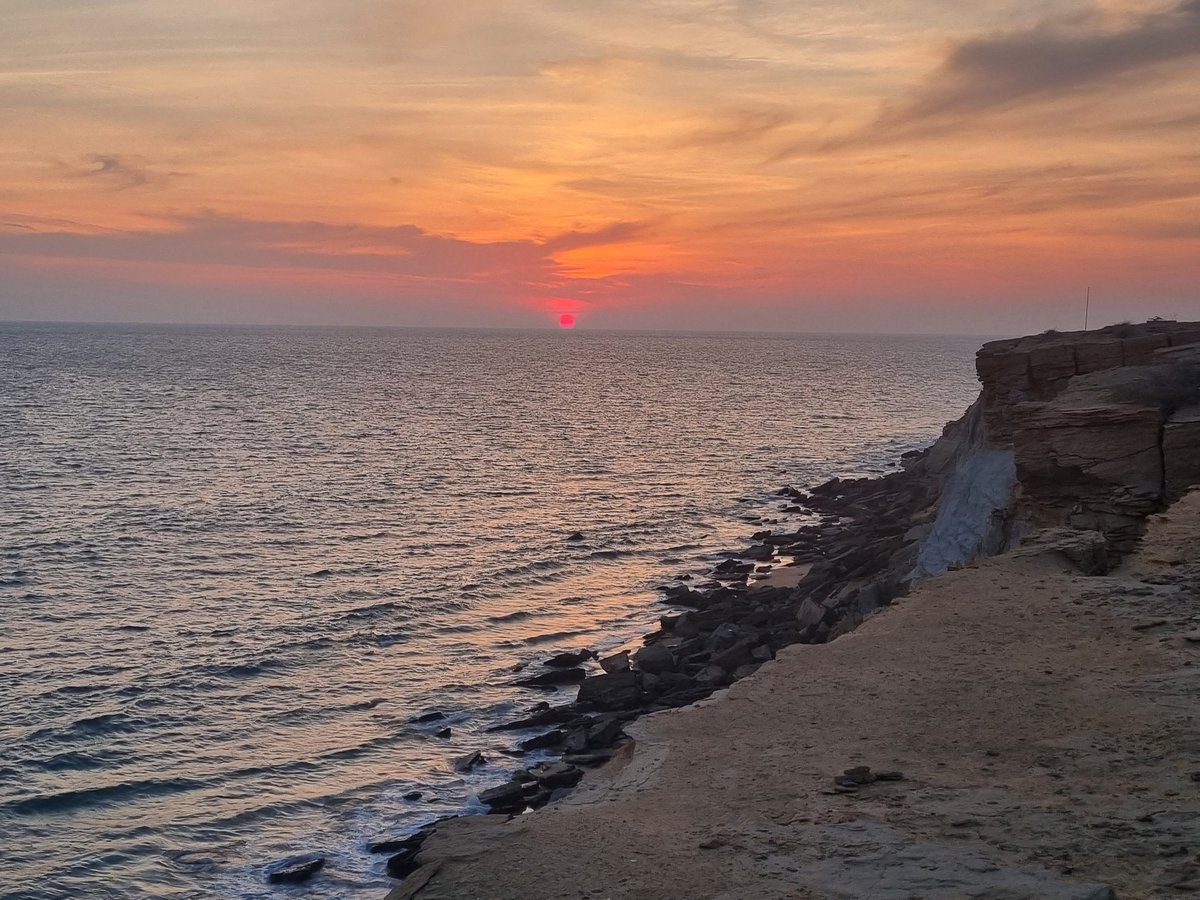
(1039, 367)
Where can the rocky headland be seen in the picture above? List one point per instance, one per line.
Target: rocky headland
(1016, 725)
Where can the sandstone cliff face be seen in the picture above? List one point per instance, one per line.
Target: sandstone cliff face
(1103, 428)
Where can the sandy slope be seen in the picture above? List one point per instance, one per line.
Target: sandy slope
(1049, 747)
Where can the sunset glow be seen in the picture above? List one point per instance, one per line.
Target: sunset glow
(566, 320)
(807, 165)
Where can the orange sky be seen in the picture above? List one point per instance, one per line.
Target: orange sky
(905, 166)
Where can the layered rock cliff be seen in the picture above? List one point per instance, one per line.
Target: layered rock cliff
(1102, 425)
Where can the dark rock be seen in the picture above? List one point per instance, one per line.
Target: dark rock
(605, 733)
(593, 758)
(393, 845)
(737, 655)
(711, 676)
(618, 662)
(549, 739)
(540, 714)
(762, 653)
(295, 869)
(576, 741)
(654, 658)
(554, 677)
(403, 864)
(759, 553)
(575, 536)
(413, 795)
(504, 796)
(809, 613)
(556, 775)
(889, 776)
(469, 762)
(428, 717)
(742, 671)
(620, 690)
(571, 659)
(444, 733)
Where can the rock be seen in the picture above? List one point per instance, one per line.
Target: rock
(889, 776)
(576, 741)
(620, 690)
(295, 869)
(654, 658)
(413, 795)
(605, 733)
(444, 733)
(554, 677)
(542, 741)
(1192, 637)
(428, 717)
(553, 775)
(711, 676)
(575, 536)
(759, 553)
(1087, 550)
(571, 659)
(618, 662)
(734, 657)
(469, 762)
(593, 758)
(540, 714)
(392, 845)
(403, 864)
(504, 796)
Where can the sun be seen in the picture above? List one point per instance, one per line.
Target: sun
(566, 320)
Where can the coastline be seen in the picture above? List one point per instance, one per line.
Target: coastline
(728, 760)
(1046, 732)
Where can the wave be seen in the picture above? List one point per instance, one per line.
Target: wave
(69, 801)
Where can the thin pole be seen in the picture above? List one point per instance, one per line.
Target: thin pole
(1087, 308)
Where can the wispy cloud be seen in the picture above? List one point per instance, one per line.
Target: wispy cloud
(117, 172)
(1056, 56)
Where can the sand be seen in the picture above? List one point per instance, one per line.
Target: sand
(1045, 723)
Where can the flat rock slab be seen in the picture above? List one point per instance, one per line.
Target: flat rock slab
(867, 859)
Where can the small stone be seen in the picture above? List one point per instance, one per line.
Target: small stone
(444, 733)
(889, 776)
(414, 795)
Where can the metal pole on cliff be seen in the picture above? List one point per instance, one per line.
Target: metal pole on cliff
(1087, 307)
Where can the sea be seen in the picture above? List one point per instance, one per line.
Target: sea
(237, 563)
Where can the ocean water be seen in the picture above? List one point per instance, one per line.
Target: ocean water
(236, 563)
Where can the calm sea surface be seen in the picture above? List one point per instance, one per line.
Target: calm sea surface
(236, 563)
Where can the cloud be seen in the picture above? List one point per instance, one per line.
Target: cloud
(739, 127)
(1002, 70)
(404, 252)
(118, 173)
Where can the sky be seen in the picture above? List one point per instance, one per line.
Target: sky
(929, 166)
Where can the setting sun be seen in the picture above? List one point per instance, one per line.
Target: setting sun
(566, 320)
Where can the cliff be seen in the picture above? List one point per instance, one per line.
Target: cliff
(1088, 430)
(1075, 442)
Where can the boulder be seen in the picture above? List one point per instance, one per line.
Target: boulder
(542, 741)
(504, 796)
(654, 658)
(618, 662)
(295, 869)
(469, 762)
(620, 690)
(403, 864)
(553, 775)
(571, 659)
(554, 677)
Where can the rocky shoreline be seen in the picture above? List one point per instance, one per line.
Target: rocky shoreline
(1015, 466)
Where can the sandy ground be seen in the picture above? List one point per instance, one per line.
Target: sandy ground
(1045, 723)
